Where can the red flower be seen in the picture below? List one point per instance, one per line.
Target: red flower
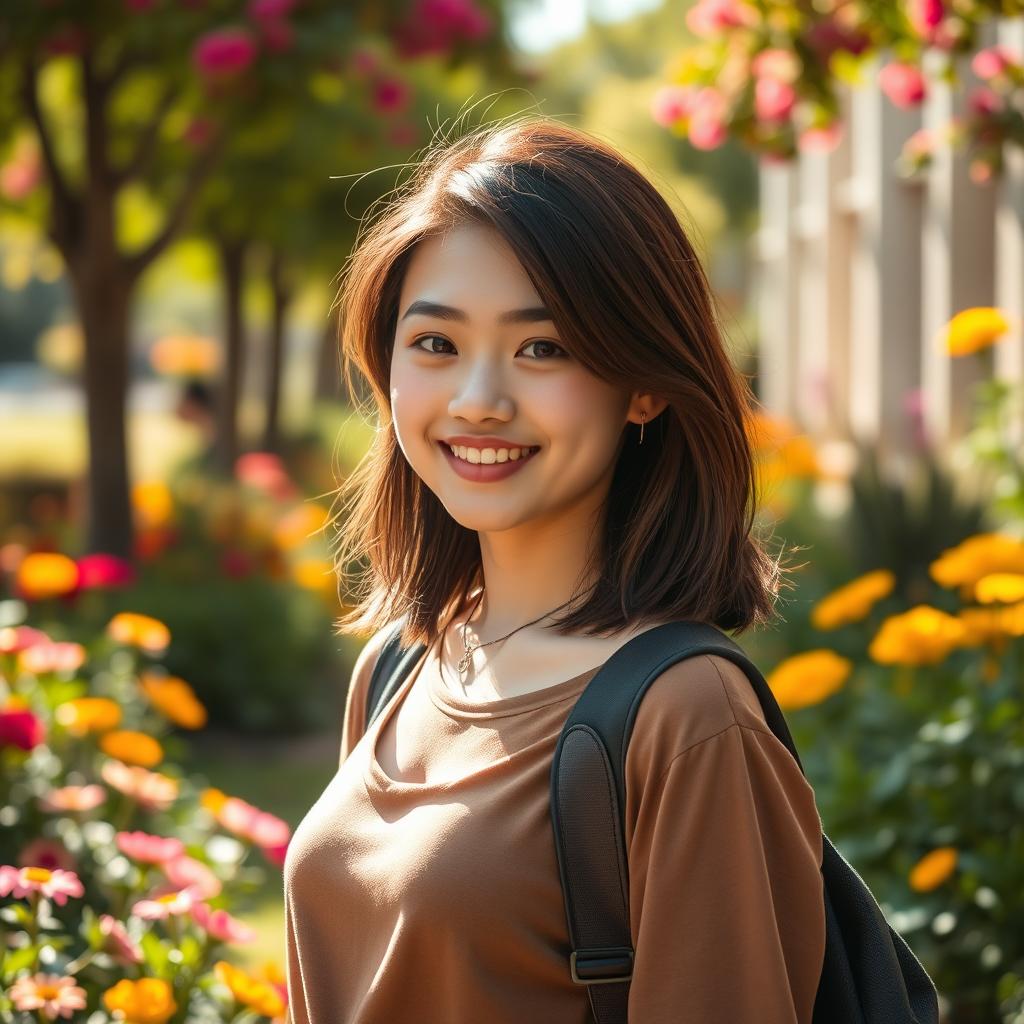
(103, 570)
(19, 727)
(224, 53)
(390, 95)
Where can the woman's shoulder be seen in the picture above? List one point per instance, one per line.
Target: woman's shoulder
(690, 702)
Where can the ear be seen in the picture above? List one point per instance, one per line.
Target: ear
(647, 404)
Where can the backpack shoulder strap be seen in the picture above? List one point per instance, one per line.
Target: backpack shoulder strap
(588, 799)
(389, 671)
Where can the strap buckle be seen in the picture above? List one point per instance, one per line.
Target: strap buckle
(601, 966)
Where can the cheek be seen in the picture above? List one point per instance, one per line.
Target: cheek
(412, 406)
(585, 413)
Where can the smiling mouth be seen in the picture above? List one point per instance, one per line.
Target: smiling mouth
(489, 456)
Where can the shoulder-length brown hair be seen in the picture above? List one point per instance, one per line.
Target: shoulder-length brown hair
(631, 302)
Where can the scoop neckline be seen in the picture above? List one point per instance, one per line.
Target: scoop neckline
(458, 707)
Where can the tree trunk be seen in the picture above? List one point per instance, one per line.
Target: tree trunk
(104, 301)
(281, 298)
(232, 259)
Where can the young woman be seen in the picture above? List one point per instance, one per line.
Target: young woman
(562, 462)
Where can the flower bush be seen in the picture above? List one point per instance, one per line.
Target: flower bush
(909, 713)
(118, 874)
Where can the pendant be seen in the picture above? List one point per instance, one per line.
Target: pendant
(466, 660)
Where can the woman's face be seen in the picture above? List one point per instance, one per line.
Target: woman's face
(477, 357)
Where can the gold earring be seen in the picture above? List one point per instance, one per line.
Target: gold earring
(643, 417)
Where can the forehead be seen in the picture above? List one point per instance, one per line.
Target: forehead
(470, 266)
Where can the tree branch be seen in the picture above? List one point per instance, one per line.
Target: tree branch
(65, 202)
(142, 158)
(197, 176)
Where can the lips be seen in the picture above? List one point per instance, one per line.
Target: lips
(479, 472)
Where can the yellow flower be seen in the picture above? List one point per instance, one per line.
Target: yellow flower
(921, 636)
(983, 625)
(175, 699)
(315, 574)
(808, 678)
(132, 747)
(852, 602)
(933, 869)
(45, 574)
(153, 504)
(83, 715)
(136, 630)
(213, 799)
(971, 330)
(146, 1001)
(1000, 586)
(981, 555)
(255, 993)
(191, 355)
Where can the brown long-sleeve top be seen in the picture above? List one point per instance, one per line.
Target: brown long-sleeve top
(436, 898)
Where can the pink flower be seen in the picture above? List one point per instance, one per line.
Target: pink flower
(773, 100)
(221, 925)
(984, 101)
(53, 656)
(276, 852)
(118, 942)
(187, 872)
(73, 798)
(103, 570)
(20, 176)
(823, 139)
(149, 849)
(172, 904)
(920, 144)
(709, 17)
(52, 995)
(15, 639)
(903, 84)
(671, 103)
(44, 852)
(224, 53)
(390, 95)
(925, 16)
(778, 63)
(707, 128)
(20, 727)
(435, 26)
(251, 823)
(993, 61)
(827, 36)
(152, 791)
(57, 885)
(265, 472)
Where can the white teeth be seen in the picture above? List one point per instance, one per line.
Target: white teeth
(489, 456)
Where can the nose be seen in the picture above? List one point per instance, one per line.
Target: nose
(481, 394)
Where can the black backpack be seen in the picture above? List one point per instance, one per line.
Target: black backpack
(869, 976)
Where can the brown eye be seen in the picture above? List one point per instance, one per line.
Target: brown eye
(431, 349)
(559, 352)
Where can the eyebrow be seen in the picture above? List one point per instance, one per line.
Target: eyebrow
(531, 315)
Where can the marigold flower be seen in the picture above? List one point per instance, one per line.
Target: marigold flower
(933, 869)
(971, 330)
(43, 574)
(56, 885)
(146, 1001)
(315, 574)
(808, 678)
(52, 995)
(255, 993)
(175, 699)
(135, 630)
(921, 636)
(132, 747)
(84, 715)
(299, 524)
(984, 553)
(853, 601)
(1000, 586)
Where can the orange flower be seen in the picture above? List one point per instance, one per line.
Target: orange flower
(134, 630)
(175, 699)
(145, 1001)
(191, 355)
(315, 574)
(132, 747)
(933, 869)
(255, 993)
(297, 525)
(971, 330)
(921, 636)
(153, 505)
(45, 574)
(808, 678)
(153, 791)
(1000, 586)
(83, 715)
(852, 602)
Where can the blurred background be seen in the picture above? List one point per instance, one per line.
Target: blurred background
(180, 185)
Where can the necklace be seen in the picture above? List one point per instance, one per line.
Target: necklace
(468, 648)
